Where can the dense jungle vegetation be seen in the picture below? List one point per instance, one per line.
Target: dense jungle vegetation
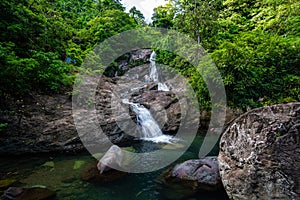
(254, 43)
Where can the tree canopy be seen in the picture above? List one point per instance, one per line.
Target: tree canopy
(255, 44)
(43, 43)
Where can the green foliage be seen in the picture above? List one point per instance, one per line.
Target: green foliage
(255, 45)
(258, 66)
(38, 36)
(163, 16)
(3, 126)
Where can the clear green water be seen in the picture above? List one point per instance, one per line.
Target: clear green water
(62, 173)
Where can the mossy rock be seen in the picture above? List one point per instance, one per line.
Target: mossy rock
(130, 149)
(6, 183)
(78, 164)
(48, 164)
(172, 146)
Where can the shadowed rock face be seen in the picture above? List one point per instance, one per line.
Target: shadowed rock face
(260, 154)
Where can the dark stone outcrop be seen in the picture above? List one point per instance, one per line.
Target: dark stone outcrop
(260, 154)
(38, 123)
(130, 60)
(15, 193)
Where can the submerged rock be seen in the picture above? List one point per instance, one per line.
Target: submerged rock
(16, 193)
(112, 159)
(260, 154)
(103, 171)
(93, 175)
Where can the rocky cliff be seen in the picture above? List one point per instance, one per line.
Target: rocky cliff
(43, 123)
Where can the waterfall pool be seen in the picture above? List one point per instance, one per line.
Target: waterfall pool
(62, 173)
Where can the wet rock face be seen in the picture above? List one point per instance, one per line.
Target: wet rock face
(260, 154)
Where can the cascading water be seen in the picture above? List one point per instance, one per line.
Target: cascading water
(153, 70)
(150, 128)
(154, 73)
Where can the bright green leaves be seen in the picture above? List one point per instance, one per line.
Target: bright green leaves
(258, 65)
(107, 24)
(163, 16)
(255, 44)
(38, 37)
(43, 71)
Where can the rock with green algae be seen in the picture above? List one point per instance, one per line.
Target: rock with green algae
(78, 164)
(130, 149)
(172, 146)
(36, 193)
(97, 155)
(7, 183)
(48, 164)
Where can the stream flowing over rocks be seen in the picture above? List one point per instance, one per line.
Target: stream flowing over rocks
(43, 123)
(260, 154)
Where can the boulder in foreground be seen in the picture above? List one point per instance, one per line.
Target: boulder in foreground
(193, 176)
(260, 154)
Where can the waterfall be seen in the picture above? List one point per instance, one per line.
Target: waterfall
(150, 128)
(153, 70)
(162, 87)
(154, 73)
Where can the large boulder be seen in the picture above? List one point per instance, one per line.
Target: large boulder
(260, 154)
(130, 60)
(193, 176)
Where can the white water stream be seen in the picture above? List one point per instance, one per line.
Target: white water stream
(150, 129)
(154, 74)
